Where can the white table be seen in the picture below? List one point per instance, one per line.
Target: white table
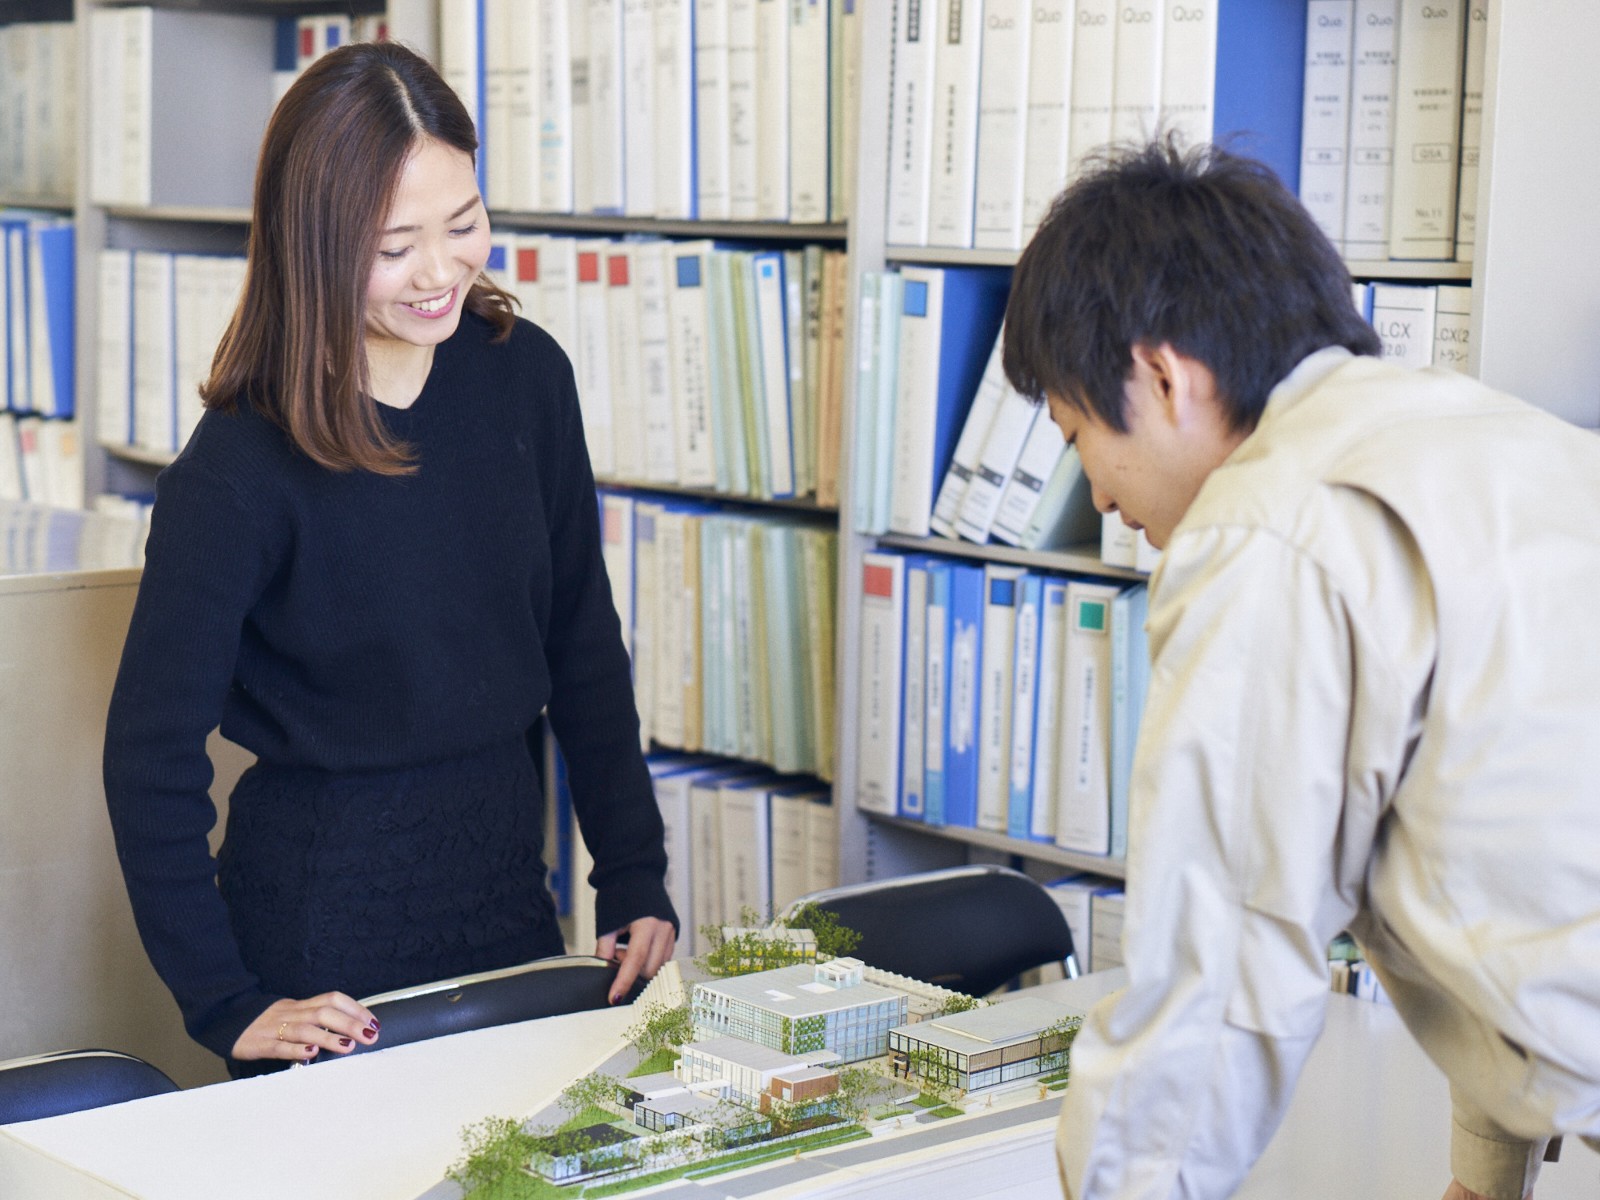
(1370, 1120)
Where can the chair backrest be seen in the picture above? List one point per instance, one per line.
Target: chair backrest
(972, 929)
(48, 1085)
(546, 987)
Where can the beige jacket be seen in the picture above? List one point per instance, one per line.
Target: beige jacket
(1374, 704)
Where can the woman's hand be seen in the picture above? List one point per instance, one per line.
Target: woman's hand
(651, 942)
(298, 1030)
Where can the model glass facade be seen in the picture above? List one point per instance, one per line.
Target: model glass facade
(804, 1009)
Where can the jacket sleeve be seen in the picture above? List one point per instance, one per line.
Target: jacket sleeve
(205, 564)
(1252, 815)
(592, 710)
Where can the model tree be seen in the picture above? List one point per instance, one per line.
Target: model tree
(1055, 1043)
(661, 1028)
(833, 939)
(590, 1091)
(493, 1149)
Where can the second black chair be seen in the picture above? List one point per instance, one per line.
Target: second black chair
(546, 987)
(48, 1085)
(971, 929)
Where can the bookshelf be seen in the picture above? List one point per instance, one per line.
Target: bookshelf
(804, 505)
(756, 231)
(1431, 272)
(1083, 559)
(1534, 281)
(1536, 287)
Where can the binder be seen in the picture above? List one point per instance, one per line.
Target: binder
(772, 110)
(936, 692)
(592, 363)
(914, 696)
(692, 363)
(711, 109)
(966, 679)
(1083, 815)
(676, 117)
(969, 446)
(950, 318)
(1002, 592)
(1047, 717)
(1002, 124)
(1025, 672)
(911, 121)
(628, 414)
(639, 105)
(953, 170)
(114, 358)
(1325, 123)
(1047, 141)
(1130, 680)
(670, 776)
(650, 265)
(51, 317)
(773, 398)
(882, 593)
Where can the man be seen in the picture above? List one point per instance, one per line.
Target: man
(1375, 690)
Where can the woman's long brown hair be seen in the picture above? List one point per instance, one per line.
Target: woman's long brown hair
(330, 163)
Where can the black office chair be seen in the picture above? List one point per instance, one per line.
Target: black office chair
(546, 987)
(48, 1085)
(971, 929)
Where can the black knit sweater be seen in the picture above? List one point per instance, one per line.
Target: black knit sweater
(348, 622)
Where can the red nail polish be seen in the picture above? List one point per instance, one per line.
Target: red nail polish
(370, 1034)
(311, 1051)
(346, 1042)
(376, 1024)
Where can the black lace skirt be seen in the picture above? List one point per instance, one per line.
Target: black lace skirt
(367, 882)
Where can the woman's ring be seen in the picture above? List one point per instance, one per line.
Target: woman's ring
(281, 1028)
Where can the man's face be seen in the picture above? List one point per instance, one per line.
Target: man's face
(1177, 435)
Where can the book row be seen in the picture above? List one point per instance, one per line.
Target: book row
(696, 366)
(943, 443)
(1420, 326)
(39, 100)
(300, 41)
(729, 619)
(1001, 699)
(37, 340)
(1093, 907)
(161, 316)
(711, 109)
(40, 540)
(1392, 121)
(41, 460)
(177, 103)
(1351, 975)
(1011, 477)
(739, 839)
(997, 103)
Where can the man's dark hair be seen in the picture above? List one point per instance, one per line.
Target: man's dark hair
(1199, 248)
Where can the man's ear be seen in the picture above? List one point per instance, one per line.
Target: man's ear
(1155, 377)
(1176, 384)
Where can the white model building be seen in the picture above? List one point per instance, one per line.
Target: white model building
(982, 1047)
(748, 1071)
(798, 1010)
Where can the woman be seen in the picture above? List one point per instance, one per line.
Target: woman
(375, 562)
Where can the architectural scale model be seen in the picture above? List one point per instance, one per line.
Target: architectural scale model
(727, 1073)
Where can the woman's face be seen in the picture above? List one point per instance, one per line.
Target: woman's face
(435, 241)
